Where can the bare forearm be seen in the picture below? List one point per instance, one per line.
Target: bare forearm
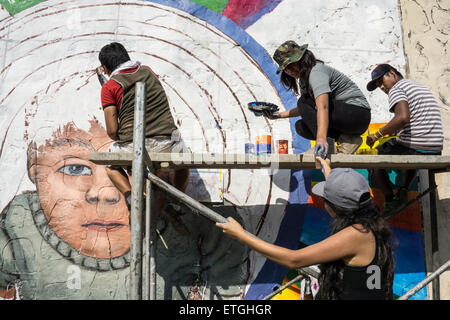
(114, 136)
(401, 119)
(112, 122)
(322, 122)
(273, 252)
(393, 126)
(290, 113)
(322, 116)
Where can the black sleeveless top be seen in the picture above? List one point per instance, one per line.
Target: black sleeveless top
(364, 283)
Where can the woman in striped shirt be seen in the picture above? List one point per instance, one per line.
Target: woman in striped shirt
(416, 122)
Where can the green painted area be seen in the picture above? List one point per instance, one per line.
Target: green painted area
(215, 5)
(15, 6)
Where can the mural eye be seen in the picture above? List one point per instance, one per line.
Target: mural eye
(76, 170)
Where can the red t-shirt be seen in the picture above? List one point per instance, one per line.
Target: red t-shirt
(112, 91)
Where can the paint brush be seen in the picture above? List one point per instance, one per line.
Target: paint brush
(100, 75)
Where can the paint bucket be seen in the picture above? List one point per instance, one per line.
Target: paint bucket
(264, 144)
(282, 146)
(263, 148)
(264, 139)
(250, 148)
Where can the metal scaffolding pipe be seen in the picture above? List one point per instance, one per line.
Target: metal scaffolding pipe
(137, 194)
(191, 203)
(425, 281)
(307, 271)
(287, 285)
(146, 277)
(203, 210)
(151, 229)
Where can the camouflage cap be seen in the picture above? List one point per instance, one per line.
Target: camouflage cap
(287, 53)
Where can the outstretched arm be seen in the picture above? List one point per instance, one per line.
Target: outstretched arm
(322, 125)
(340, 245)
(400, 119)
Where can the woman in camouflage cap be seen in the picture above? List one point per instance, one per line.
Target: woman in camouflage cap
(331, 105)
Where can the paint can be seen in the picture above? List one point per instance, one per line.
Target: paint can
(264, 139)
(250, 148)
(282, 146)
(263, 148)
(264, 144)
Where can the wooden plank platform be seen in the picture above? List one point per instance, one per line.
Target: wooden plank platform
(276, 161)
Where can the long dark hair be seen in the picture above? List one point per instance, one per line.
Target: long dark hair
(331, 273)
(307, 62)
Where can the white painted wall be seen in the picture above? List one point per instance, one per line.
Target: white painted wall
(349, 35)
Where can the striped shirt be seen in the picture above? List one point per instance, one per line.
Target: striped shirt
(424, 130)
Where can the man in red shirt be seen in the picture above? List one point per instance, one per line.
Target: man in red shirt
(117, 98)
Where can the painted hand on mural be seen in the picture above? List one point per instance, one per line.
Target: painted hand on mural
(79, 201)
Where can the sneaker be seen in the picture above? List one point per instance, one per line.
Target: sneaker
(348, 143)
(397, 205)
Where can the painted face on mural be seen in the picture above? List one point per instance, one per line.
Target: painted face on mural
(79, 201)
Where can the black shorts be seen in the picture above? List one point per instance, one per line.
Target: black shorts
(393, 147)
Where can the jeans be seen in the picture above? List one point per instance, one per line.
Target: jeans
(343, 118)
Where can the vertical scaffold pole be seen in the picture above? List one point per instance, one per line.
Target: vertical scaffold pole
(149, 283)
(151, 229)
(137, 194)
(146, 275)
(434, 233)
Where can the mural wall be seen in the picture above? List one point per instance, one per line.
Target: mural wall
(64, 230)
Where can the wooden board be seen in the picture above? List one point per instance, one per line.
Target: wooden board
(276, 161)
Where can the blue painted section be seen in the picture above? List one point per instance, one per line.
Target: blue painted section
(410, 262)
(302, 222)
(403, 282)
(272, 274)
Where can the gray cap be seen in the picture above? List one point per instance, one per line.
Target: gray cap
(344, 188)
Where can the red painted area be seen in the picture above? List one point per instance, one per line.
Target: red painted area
(409, 219)
(238, 10)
